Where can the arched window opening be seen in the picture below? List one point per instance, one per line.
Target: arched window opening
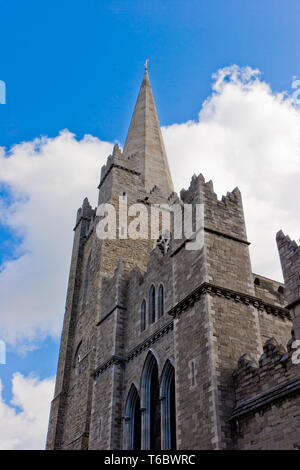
(168, 407)
(152, 305)
(173, 414)
(137, 425)
(155, 438)
(160, 301)
(132, 432)
(143, 315)
(151, 417)
(86, 283)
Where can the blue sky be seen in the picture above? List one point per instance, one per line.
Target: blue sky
(78, 65)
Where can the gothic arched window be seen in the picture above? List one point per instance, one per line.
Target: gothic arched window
(132, 431)
(160, 301)
(151, 308)
(168, 407)
(143, 315)
(85, 283)
(151, 417)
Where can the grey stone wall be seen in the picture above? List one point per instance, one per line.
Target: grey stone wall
(267, 412)
(215, 310)
(289, 253)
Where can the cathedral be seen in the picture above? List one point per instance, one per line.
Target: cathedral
(165, 347)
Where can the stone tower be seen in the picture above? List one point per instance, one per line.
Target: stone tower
(153, 330)
(289, 253)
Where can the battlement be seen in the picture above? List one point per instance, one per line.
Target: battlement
(289, 253)
(86, 213)
(223, 215)
(118, 158)
(274, 379)
(199, 190)
(120, 174)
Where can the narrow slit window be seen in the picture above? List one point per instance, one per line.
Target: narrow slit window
(160, 301)
(152, 305)
(86, 283)
(143, 315)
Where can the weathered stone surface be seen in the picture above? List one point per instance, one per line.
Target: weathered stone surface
(145, 143)
(289, 253)
(266, 414)
(217, 314)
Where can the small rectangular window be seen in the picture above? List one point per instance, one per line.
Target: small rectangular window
(192, 373)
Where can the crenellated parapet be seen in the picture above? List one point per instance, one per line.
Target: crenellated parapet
(85, 220)
(118, 159)
(266, 414)
(266, 386)
(121, 174)
(223, 216)
(85, 211)
(289, 252)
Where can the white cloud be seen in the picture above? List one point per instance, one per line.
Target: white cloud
(48, 179)
(249, 137)
(246, 136)
(25, 427)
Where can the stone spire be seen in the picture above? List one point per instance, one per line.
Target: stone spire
(145, 142)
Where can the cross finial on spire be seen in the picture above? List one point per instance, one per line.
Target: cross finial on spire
(146, 64)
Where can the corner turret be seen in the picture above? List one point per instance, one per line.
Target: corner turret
(289, 253)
